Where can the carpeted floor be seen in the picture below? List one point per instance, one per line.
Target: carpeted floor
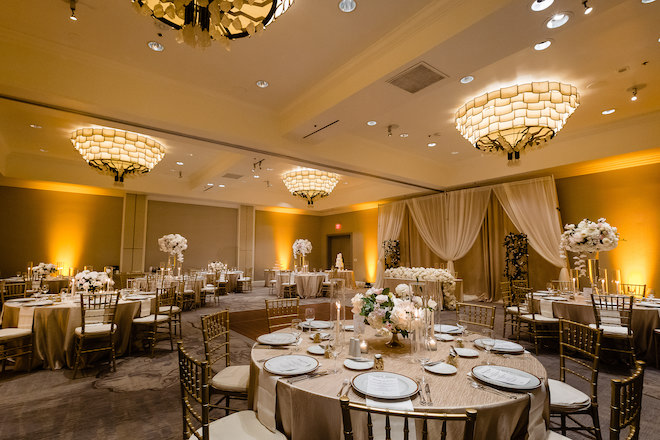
(141, 399)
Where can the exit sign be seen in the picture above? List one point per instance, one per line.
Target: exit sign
(337, 226)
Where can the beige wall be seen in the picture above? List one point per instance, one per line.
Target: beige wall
(275, 233)
(53, 226)
(630, 200)
(211, 233)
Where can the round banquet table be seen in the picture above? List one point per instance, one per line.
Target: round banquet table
(348, 276)
(308, 285)
(308, 408)
(53, 330)
(232, 280)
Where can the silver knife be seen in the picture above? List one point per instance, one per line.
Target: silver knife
(428, 393)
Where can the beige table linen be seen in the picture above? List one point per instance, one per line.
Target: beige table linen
(53, 329)
(269, 275)
(309, 409)
(309, 285)
(232, 280)
(348, 276)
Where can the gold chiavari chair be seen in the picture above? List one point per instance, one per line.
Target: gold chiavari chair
(195, 403)
(98, 328)
(281, 312)
(175, 308)
(579, 356)
(519, 283)
(469, 419)
(245, 282)
(14, 290)
(14, 342)
(538, 326)
(221, 286)
(159, 323)
(512, 308)
(626, 407)
(232, 380)
(636, 290)
(186, 294)
(613, 315)
(473, 314)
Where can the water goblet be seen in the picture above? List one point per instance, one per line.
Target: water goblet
(309, 317)
(296, 331)
(488, 342)
(336, 347)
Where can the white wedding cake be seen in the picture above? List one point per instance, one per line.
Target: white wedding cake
(339, 263)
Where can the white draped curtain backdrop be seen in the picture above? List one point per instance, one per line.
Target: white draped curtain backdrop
(449, 223)
(390, 219)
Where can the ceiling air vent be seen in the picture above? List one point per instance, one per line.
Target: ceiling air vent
(232, 176)
(417, 77)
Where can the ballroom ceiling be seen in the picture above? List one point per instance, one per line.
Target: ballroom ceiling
(324, 67)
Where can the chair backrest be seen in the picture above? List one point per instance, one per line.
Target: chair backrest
(626, 405)
(519, 283)
(165, 297)
(281, 312)
(636, 290)
(14, 290)
(579, 353)
(505, 292)
(469, 418)
(613, 310)
(473, 314)
(98, 308)
(195, 395)
(215, 332)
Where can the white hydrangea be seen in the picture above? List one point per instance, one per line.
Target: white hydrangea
(173, 244)
(301, 247)
(588, 237)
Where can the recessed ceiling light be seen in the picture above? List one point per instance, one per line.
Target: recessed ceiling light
(543, 45)
(256, 176)
(347, 5)
(221, 185)
(209, 184)
(404, 135)
(431, 144)
(608, 112)
(190, 154)
(540, 5)
(155, 46)
(467, 79)
(262, 84)
(454, 152)
(35, 126)
(269, 169)
(647, 1)
(371, 123)
(179, 163)
(558, 20)
(43, 150)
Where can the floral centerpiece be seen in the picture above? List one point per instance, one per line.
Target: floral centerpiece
(173, 244)
(383, 310)
(301, 247)
(44, 269)
(92, 281)
(588, 237)
(444, 277)
(217, 266)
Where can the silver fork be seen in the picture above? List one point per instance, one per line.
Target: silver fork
(475, 384)
(421, 394)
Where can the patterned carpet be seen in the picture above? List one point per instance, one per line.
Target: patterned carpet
(141, 399)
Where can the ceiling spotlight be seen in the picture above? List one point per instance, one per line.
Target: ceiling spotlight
(209, 184)
(256, 176)
(634, 94)
(404, 135)
(647, 1)
(431, 144)
(43, 150)
(587, 9)
(347, 5)
(371, 123)
(221, 185)
(179, 163)
(72, 5)
(543, 45)
(540, 5)
(558, 20)
(467, 79)
(608, 112)
(155, 46)
(454, 152)
(35, 126)
(262, 84)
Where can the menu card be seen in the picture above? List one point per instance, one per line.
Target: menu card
(290, 363)
(382, 385)
(503, 376)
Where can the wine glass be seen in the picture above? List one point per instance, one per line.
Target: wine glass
(336, 347)
(296, 331)
(309, 317)
(44, 289)
(488, 342)
(423, 357)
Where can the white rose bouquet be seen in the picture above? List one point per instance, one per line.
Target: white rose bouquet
(92, 281)
(301, 247)
(217, 265)
(443, 276)
(44, 269)
(173, 244)
(588, 237)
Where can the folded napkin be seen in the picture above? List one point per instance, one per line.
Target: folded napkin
(536, 427)
(396, 423)
(25, 317)
(145, 307)
(546, 308)
(266, 399)
(506, 345)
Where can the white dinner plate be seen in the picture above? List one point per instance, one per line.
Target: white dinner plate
(466, 352)
(278, 338)
(405, 386)
(444, 337)
(541, 293)
(555, 298)
(502, 346)
(649, 304)
(324, 336)
(349, 327)
(138, 297)
(291, 364)
(449, 329)
(20, 300)
(365, 364)
(441, 368)
(316, 349)
(317, 325)
(41, 302)
(505, 377)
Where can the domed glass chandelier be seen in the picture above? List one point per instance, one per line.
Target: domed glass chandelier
(310, 184)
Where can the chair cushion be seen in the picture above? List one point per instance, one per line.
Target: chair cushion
(150, 318)
(245, 279)
(166, 309)
(208, 289)
(565, 398)
(273, 281)
(612, 330)
(95, 329)
(242, 425)
(7, 334)
(514, 310)
(538, 318)
(232, 378)
(552, 435)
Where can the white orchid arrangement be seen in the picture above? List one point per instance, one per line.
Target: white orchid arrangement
(173, 244)
(382, 309)
(44, 269)
(217, 266)
(92, 281)
(301, 247)
(443, 276)
(588, 237)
